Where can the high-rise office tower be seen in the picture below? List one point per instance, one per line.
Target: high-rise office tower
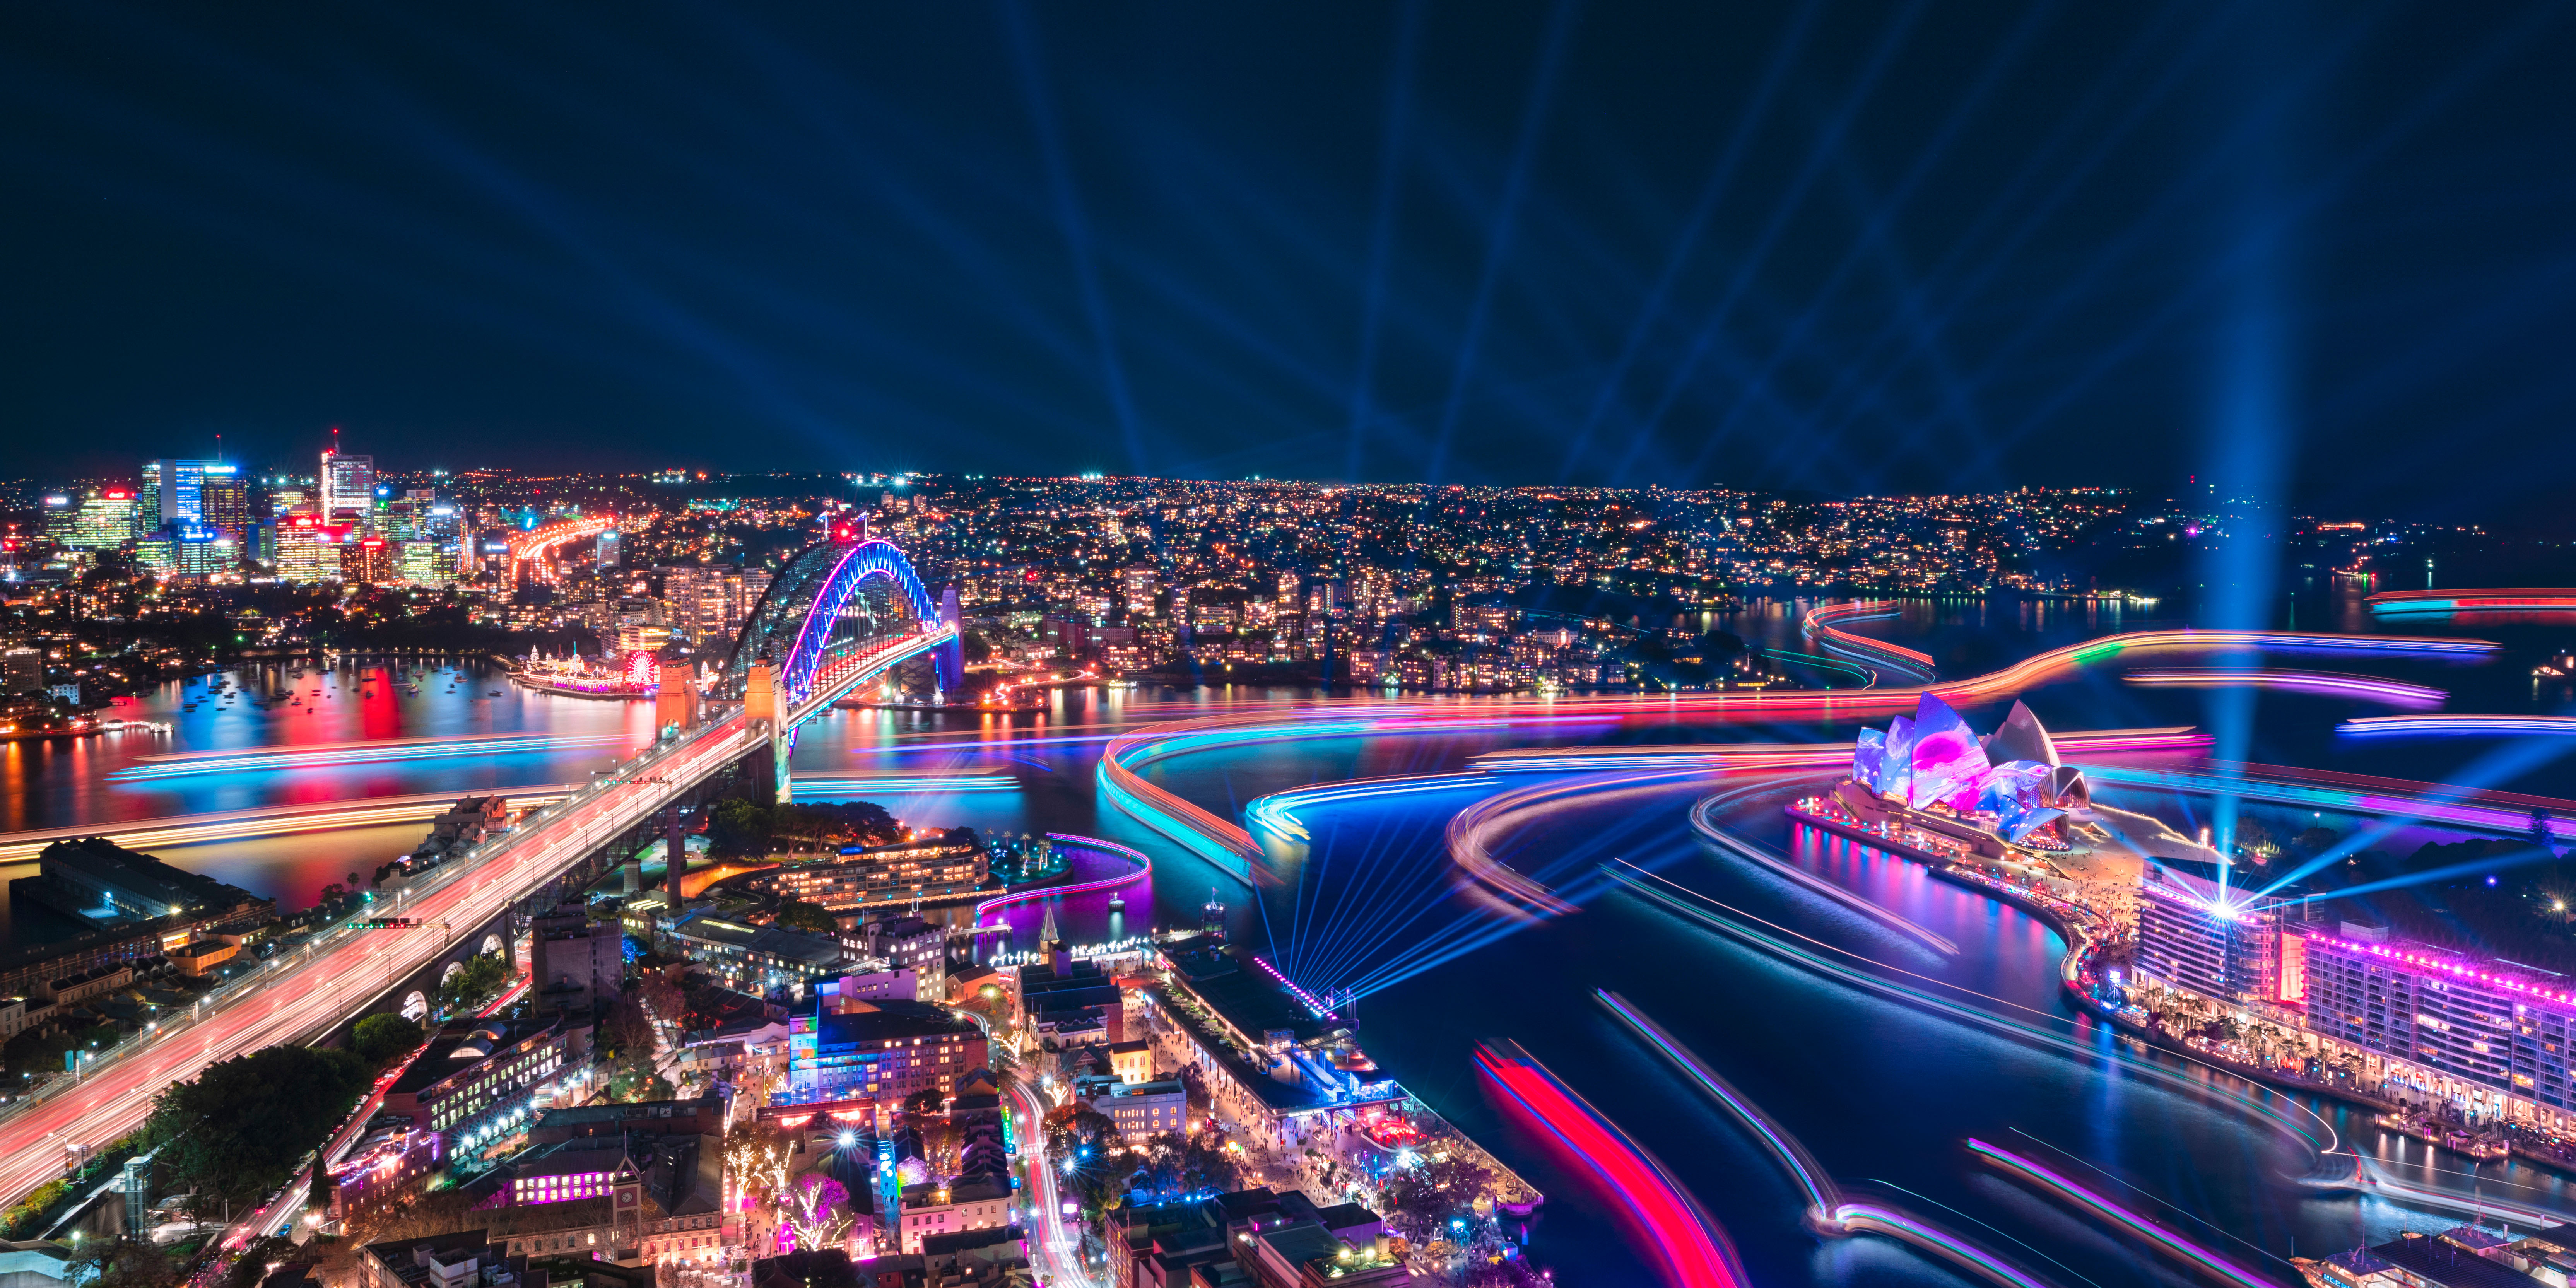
(348, 487)
(223, 503)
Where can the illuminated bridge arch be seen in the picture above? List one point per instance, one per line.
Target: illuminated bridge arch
(796, 622)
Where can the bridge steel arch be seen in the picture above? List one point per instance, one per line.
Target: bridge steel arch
(792, 625)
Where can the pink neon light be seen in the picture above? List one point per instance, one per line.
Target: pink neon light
(1675, 1233)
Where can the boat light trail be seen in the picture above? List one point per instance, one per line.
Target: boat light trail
(1675, 1232)
(271, 820)
(1726, 920)
(2166, 1241)
(330, 755)
(1226, 844)
(1827, 1211)
(1140, 869)
(1874, 1218)
(2459, 726)
(896, 782)
(1703, 821)
(1823, 625)
(2445, 603)
(1822, 1195)
(2335, 683)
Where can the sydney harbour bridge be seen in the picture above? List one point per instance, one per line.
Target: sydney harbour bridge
(838, 616)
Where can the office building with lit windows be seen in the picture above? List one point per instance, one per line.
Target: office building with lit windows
(2477, 1033)
(884, 1050)
(2222, 944)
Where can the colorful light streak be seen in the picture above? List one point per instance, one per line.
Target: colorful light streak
(1822, 624)
(267, 821)
(1731, 922)
(1874, 1218)
(900, 783)
(1759, 757)
(1143, 867)
(1228, 846)
(1704, 821)
(1275, 815)
(2399, 802)
(1822, 1195)
(2411, 603)
(2460, 726)
(330, 755)
(1675, 1233)
(2164, 1240)
(1827, 1211)
(2371, 688)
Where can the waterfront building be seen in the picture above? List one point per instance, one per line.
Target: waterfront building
(95, 881)
(2220, 944)
(2474, 1033)
(883, 875)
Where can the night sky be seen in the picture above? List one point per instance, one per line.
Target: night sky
(2321, 254)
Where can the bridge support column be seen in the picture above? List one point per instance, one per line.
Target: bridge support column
(948, 661)
(675, 857)
(765, 705)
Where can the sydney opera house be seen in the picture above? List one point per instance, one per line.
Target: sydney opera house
(2009, 780)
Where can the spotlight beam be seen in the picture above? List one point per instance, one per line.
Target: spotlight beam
(1791, 199)
(1713, 189)
(1498, 241)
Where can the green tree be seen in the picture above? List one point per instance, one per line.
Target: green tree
(740, 829)
(477, 982)
(239, 1130)
(800, 914)
(382, 1039)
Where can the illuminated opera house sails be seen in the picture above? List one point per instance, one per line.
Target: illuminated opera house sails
(1934, 758)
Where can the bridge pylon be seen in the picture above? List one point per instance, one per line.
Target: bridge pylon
(766, 705)
(948, 662)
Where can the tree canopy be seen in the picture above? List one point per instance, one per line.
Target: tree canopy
(382, 1039)
(240, 1129)
(800, 914)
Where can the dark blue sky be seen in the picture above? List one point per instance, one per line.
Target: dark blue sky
(2322, 252)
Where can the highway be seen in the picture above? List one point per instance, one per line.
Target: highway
(297, 995)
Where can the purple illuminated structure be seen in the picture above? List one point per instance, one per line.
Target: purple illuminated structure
(1935, 759)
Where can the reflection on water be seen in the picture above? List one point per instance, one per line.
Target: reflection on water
(1882, 1091)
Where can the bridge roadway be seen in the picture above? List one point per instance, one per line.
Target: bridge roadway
(299, 995)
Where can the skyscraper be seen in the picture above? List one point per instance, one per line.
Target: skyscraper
(105, 520)
(348, 487)
(223, 498)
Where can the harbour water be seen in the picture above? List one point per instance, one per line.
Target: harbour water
(1885, 1090)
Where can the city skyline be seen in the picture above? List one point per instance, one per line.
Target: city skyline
(1846, 250)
